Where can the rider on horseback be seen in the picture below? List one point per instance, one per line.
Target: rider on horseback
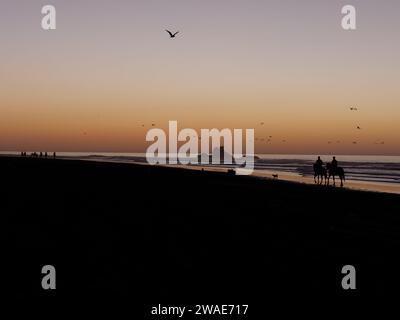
(319, 162)
(335, 170)
(334, 164)
(319, 171)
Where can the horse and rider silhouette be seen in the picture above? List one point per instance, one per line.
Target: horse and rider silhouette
(323, 174)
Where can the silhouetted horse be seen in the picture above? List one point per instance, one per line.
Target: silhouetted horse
(320, 173)
(332, 172)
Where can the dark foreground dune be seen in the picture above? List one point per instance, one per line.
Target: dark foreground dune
(157, 235)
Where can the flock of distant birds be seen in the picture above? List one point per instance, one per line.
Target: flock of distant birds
(268, 139)
(359, 128)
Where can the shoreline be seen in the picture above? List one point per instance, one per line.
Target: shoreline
(350, 184)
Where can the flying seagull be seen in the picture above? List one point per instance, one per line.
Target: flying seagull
(172, 35)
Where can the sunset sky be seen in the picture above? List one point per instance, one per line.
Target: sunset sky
(110, 67)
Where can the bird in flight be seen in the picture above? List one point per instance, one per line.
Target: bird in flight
(353, 109)
(358, 127)
(172, 35)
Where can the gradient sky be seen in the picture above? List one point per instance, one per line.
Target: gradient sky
(110, 67)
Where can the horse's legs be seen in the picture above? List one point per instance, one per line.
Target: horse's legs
(334, 181)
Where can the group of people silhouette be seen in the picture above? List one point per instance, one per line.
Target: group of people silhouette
(38, 155)
(332, 169)
(319, 163)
